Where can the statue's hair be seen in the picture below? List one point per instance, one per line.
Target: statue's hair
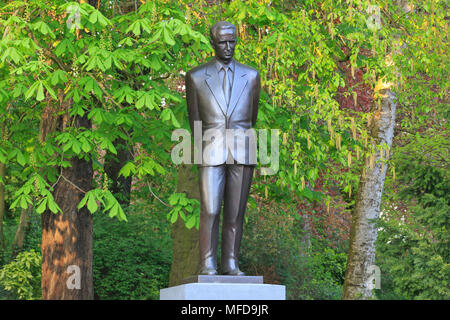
(221, 25)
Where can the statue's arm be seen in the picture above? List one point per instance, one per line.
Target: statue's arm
(257, 90)
(191, 100)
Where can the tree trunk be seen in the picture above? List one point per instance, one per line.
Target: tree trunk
(67, 237)
(120, 186)
(185, 248)
(19, 238)
(363, 233)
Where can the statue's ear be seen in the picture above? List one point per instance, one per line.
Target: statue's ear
(212, 44)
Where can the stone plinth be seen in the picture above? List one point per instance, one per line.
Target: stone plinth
(223, 279)
(202, 287)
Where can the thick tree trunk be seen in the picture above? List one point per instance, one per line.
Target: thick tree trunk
(19, 238)
(363, 233)
(120, 186)
(185, 249)
(2, 207)
(67, 237)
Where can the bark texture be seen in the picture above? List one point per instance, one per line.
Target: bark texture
(120, 187)
(22, 228)
(363, 233)
(185, 249)
(67, 237)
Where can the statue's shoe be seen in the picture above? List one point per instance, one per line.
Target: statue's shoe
(233, 272)
(208, 271)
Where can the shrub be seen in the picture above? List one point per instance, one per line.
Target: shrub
(412, 246)
(22, 276)
(275, 246)
(131, 259)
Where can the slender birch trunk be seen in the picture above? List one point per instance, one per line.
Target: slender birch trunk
(361, 270)
(363, 233)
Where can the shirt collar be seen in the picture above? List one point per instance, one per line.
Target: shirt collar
(219, 65)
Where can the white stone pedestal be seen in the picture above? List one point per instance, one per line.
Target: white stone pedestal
(224, 291)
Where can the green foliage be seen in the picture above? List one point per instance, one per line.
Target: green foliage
(22, 277)
(317, 275)
(275, 246)
(131, 260)
(107, 199)
(116, 70)
(413, 244)
(187, 209)
(124, 73)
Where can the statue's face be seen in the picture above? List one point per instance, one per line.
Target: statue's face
(223, 44)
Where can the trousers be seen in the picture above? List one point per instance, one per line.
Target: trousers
(230, 184)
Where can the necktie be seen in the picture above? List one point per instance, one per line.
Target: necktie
(226, 86)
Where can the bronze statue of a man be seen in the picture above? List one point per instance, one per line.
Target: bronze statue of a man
(223, 94)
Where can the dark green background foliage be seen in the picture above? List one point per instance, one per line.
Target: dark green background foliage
(131, 260)
(276, 245)
(413, 246)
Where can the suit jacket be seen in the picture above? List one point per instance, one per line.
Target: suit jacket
(206, 103)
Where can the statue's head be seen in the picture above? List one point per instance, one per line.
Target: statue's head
(223, 40)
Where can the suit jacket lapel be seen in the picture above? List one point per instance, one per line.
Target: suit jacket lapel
(239, 83)
(212, 80)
